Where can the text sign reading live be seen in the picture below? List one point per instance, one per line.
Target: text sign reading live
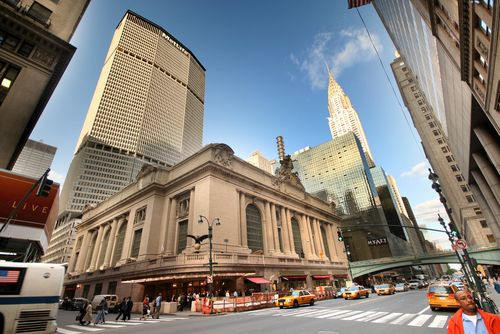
(376, 242)
(35, 211)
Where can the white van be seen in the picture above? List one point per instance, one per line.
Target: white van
(112, 301)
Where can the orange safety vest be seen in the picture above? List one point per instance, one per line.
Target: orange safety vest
(491, 321)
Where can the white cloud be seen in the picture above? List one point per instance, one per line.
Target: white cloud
(419, 169)
(427, 211)
(56, 177)
(345, 50)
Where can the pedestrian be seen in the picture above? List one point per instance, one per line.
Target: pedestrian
(122, 309)
(130, 305)
(85, 314)
(145, 308)
(471, 320)
(157, 303)
(102, 310)
(235, 293)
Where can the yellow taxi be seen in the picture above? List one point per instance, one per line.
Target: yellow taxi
(355, 292)
(385, 289)
(442, 296)
(296, 298)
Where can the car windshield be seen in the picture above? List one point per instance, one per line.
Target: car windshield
(383, 286)
(294, 293)
(353, 288)
(440, 289)
(400, 284)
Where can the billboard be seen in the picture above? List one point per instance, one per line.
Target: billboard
(37, 212)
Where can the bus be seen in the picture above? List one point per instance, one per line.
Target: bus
(29, 297)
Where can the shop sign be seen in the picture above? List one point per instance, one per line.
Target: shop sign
(376, 242)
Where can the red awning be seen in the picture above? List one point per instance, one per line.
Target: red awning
(322, 276)
(294, 277)
(258, 280)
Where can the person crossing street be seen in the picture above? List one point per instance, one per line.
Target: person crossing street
(158, 299)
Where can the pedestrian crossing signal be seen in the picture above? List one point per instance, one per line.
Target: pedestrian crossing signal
(44, 187)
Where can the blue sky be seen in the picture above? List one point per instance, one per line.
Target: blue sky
(265, 77)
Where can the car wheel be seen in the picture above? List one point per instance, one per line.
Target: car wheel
(281, 307)
(345, 298)
(311, 302)
(295, 303)
(367, 295)
(434, 308)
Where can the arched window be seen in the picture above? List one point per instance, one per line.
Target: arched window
(325, 242)
(104, 246)
(120, 237)
(297, 242)
(254, 228)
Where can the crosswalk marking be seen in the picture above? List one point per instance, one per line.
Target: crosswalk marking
(402, 319)
(85, 328)
(329, 314)
(339, 314)
(387, 318)
(308, 314)
(373, 316)
(358, 316)
(124, 323)
(420, 320)
(290, 313)
(439, 321)
(66, 331)
(109, 326)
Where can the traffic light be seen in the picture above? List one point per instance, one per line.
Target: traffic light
(340, 237)
(453, 230)
(44, 187)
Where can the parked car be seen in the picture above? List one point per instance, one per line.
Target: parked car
(385, 289)
(356, 291)
(442, 296)
(296, 298)
(401, 287)
(415, 284)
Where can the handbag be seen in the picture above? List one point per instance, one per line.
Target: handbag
(78, 317)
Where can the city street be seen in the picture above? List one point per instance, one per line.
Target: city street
(406, 312)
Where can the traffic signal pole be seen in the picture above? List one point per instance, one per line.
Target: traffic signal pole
(19, 205)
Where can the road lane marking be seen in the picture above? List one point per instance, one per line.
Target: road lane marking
(387, 318)
(373, 316)
(357, 316)
(420, 320)
(425, 309)
(439, 321)
(66, 331)
(85, 328)
(402, 319)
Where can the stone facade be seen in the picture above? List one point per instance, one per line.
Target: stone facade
(136, 242)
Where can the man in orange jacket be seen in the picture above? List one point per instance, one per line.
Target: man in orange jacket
(471, 320)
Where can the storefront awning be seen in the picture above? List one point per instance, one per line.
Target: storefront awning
(294, 277)
(340, 276)
(258, 280)
(322, 276)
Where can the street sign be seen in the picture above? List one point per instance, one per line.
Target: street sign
(461, 244)
(210, 279)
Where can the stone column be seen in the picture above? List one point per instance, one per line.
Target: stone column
(97, 247)
(128, 239)
(277, 247)
(83, 252)
(111, 243)
(319, 241)
(331, 242)
(306, 241)
(269, 229)
(311, 237)
(243, 220)
(171, 222)
(290, 231)
(284, 231)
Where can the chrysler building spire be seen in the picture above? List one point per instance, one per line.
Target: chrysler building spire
(343, 118)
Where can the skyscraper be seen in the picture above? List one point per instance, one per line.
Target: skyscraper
(343, 118)
(34, 159)
(259, 160)
(147, 108)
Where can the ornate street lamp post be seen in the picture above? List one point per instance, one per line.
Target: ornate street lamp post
(210, 262)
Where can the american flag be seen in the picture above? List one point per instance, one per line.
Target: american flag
(357, 3)
(9, 276)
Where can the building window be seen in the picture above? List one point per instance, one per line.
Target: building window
(112, 288)
(459, 178)
(484, 224)
(7, 78)
(97, 289)
(478, 211)
(432, 124)
(136, 244)
(86, 289)
(450, 158)
(182, 236)
(440, 141)
(488, 3)
(40, 13)
(484, 27)
(436, 132)
(445, 149)
(8, 41)
(254, 228)
(25, 49)
(297, 242)
(464, 188)
(454, 168)
(491, 238)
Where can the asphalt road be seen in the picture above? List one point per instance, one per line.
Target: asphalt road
(401, 313)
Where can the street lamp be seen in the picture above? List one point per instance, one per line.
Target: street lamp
(210, 262)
